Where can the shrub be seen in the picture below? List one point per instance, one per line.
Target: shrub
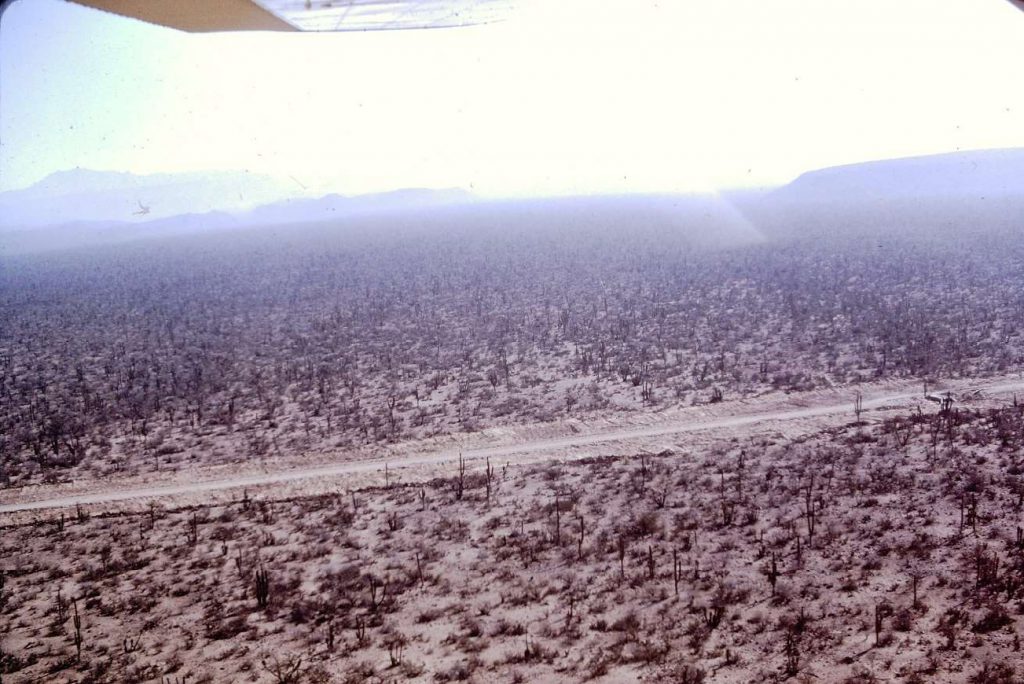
(995, 617)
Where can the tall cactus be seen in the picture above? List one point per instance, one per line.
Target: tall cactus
(262, 588)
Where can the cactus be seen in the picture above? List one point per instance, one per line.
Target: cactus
(773, 573)
(131, 645)
(262, 588)
(677, 570)
(78, 631)
(62, 608)
(376, 600)
(791, 651)
(489, 474)
(460, 482)
(193, 530)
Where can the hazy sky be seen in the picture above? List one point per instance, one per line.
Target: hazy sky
(567, 96)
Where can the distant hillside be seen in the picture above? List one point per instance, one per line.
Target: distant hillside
(963, 191)
(957, 193)
(83, 207)
(330, 207)
(83, 195)
(705, 221)
(981, 173)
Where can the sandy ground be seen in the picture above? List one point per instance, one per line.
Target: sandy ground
(671, 429)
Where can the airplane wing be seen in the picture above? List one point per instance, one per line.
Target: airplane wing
(204, 16)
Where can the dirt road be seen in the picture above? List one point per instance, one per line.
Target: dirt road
(840, 411)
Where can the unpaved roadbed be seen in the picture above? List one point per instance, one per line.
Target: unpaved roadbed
(818, 409)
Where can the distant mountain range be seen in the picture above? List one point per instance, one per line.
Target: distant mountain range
(84, 195)
(979, 173)
(82, 207)
(958, 191)
(700, 220)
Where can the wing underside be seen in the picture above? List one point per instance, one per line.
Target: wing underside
(203, 16)
(200, 16)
